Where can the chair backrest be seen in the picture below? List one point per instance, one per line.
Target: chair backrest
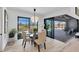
(42, 36)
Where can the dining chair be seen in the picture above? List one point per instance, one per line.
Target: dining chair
(26, 38)
(41, 40)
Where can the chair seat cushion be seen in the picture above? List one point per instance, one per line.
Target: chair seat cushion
(39, 42)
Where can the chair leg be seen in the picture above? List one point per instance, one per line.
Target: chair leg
(25, 45)
(44, 45)
(34, 44)
(38, 48)
(23, 42)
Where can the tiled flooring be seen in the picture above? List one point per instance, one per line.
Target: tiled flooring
(51, 44)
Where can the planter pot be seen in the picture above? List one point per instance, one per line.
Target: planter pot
(11, 35)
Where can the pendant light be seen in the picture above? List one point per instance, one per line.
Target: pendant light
(34, 16)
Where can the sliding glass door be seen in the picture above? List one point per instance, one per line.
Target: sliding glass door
(54, 27)
(49, 26)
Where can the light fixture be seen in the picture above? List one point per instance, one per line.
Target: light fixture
(34, 15)
(34, 19)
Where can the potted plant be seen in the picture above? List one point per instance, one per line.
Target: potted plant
(12, 33)
(35, 30)
(47, 27)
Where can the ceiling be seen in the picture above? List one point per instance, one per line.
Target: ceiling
(40, 10)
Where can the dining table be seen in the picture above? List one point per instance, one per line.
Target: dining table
(33, 36)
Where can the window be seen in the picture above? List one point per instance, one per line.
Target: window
(60, 25)
(23, 23)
